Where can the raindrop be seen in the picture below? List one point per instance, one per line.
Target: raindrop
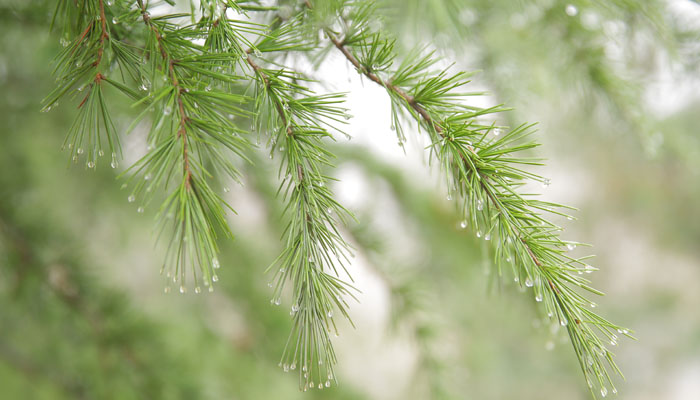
(215, 278)
(211, 289)
(198, 290)
(528, 282)
(258, 53)
(593, 305)
(588, 269)
(115, 20)
(589, 360)
(278, 301)
(110, 2)
(208, 88)
(167, 110)
(487, 237)
(183, 289)
(140, 210)
(603, 391)
(570, 218)
(114, 164)
(147, 177)
(131, 198)
(546, 182)
(293, 366)
(320, 386)
(571, 10)
(463, 224)
(100, 153)
(549, 345)
(226, 190)
(215, 263)
(330, 314)
(80, 150)
(295, 308)
(538, 298)
(449, 197)
(570, 246)
(614, 391)
(508, 259)
(303, 368)
(328, 383)
(269, 284)
(478, 234)
(64, 42)
(285, 367)
(479, 204)
(563, 322)
(91, 164)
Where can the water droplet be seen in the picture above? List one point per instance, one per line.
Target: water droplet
(215, 278)
(208, 88)
(538, 297)
(115, 20)
(571, 10)
(320, 386)
(198, 290)
(589, 269)
(285, 367)
(64, 42)
(570, 218)
(226, 189)
(330, 314)
(215, 263)
(91, 164)
(546, 182)
(110, 2)
(80, 150)
(487, 237)
(167, 110)
(269, 284)
(528, 282)
(603, 391)
(463, 224)
(392, 127)
(328, 383)
(143, 87)
(183, 289)
(347, 116)
(211, 289)
(100, 153)
(478, 234)
(614, 391)
(131, 198)
(244, 55)
(303, 368)
(570, 246)
(114, 164)
(293, 366)
(550, 314)
(258, 53)
(563, 322)
(140, 210)
(516, 279)
(479, 204)
(278, 301)
(166, 289)
(295, 308)
(549, 345)
(147, 177)
(593, 305)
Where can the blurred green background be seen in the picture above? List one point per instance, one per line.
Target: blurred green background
(616, 90)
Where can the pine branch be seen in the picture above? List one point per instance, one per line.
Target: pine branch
(314, 249)
(483, 174)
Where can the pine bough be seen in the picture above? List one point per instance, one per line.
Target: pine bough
(194, 75)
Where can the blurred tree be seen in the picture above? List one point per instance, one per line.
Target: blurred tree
(198, 83)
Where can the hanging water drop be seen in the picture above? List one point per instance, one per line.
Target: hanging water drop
(80, 150)
(328, 383)
(166, 289)
(100, 153)
(131, 198)
(215, 263)
(295, 308)
(487, 237)
(538, 297)
(278, 301)
(285, 367)
(140, 210)
(183, 289)
(215, 278)
(463, 224)
(330, 314)
(603, 391)
(571, 10)
(546, 182)
(528, 282)
(64, 42)
(167, 110)
(258, 53)
(198, 290)
(570, 246)
(115, 20)
(91, 164)
(293, 366)
(478, 234)
(226, 189)
(589, 269)
(479, 204)
(564, 322)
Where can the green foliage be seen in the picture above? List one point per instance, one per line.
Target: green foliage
(195, 75)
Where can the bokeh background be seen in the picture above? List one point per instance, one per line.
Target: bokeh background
(615, 87)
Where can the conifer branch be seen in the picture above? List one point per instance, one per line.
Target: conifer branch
(484, 174)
